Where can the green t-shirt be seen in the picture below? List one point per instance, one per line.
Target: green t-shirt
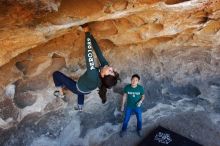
(90, 79)
(133, 95)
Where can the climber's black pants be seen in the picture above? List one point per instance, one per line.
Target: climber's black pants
(61, 80)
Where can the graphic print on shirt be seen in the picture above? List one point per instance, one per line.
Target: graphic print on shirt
(133, 94)
(90, 55)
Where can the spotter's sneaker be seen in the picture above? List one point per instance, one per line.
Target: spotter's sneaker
(79, 108)
(139, 133)
(122, 133)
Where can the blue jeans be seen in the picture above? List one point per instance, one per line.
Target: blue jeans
(61, 80)
(128, 113)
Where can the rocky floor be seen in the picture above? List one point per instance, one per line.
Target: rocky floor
(100, 124)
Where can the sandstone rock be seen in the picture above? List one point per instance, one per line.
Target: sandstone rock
(104, 29)
(34, 67)
(120, 5)
(163, 21)
(8, 74)
(41, 81)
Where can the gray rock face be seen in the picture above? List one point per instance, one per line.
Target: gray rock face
(24, 99)
(99, 125)
(8, 109)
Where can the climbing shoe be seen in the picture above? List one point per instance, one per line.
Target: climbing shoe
(59, 95)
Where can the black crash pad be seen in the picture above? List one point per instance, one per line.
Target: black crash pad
(164, 137)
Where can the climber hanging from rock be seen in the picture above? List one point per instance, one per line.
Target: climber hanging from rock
(103, 76)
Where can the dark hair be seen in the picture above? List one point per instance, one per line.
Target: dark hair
(107, 82)
(135, 76)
